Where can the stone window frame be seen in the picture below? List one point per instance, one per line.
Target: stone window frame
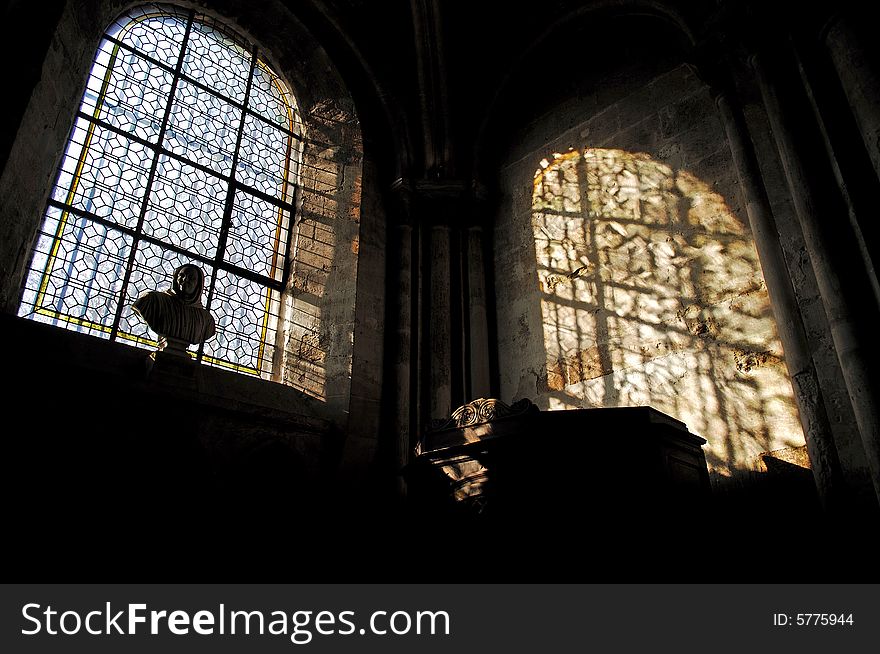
(113, 43)
(332, 330)
(333, 357)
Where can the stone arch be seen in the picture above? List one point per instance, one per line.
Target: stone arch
(650, 116)
(329, 222)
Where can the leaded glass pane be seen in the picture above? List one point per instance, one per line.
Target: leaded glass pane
(157, 32)
(270, 97)
(147, 184)
(259, 165)
(104, 173)
(186, 207)
(257, 234)
(127, 91)
(202, 127)
(246, 314)
(76, 273)
(216, 61)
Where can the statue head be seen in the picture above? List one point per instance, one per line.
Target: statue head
(187, 283)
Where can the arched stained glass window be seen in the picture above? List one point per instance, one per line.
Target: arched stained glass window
(185, 149)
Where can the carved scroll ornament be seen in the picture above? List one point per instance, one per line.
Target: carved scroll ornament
(483, 410)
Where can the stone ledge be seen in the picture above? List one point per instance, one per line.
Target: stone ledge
(41, 349)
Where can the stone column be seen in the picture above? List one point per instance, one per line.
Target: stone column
(439, 328)
(859, 79)
(808, 395)
(479, 330)
(852, 187)
(403, 345)
(853, 353)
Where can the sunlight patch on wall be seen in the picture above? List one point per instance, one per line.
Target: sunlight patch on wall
(652, 294)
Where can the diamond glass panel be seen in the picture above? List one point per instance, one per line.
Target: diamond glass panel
(76, 273)
(127, 91)
(203, 128)
(186, 207)
(269, 97)
(259, 165)
(104, 173)
(257, 233)
(155, 31)
(246, 316)
(216, 61)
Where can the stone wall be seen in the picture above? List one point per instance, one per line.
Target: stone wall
(626, 273)
(321, 294)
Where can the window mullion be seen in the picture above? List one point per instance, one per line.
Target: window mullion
(272, 123)
(150, 178)
(290, 246)
(128, 231)
(262, 195)
(230, 196)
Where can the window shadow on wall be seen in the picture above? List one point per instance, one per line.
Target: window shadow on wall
(651, 294)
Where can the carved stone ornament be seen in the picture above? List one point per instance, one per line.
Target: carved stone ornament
(483, 410)
(176, 314)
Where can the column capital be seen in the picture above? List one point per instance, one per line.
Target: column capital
(453, 203)
(712, 63)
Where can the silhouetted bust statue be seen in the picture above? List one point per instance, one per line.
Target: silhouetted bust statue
(176, 314)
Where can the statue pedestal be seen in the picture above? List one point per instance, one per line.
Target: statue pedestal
(171, 363)
(173, 346)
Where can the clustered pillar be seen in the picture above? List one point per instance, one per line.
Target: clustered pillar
(403, 353)
(478, 325)
(811, 408)
(441, 349)
(818, 227)
(858, 78)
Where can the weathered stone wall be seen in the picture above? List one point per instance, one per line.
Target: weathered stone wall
(365, 409)
(321, 298)
(626, 273)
